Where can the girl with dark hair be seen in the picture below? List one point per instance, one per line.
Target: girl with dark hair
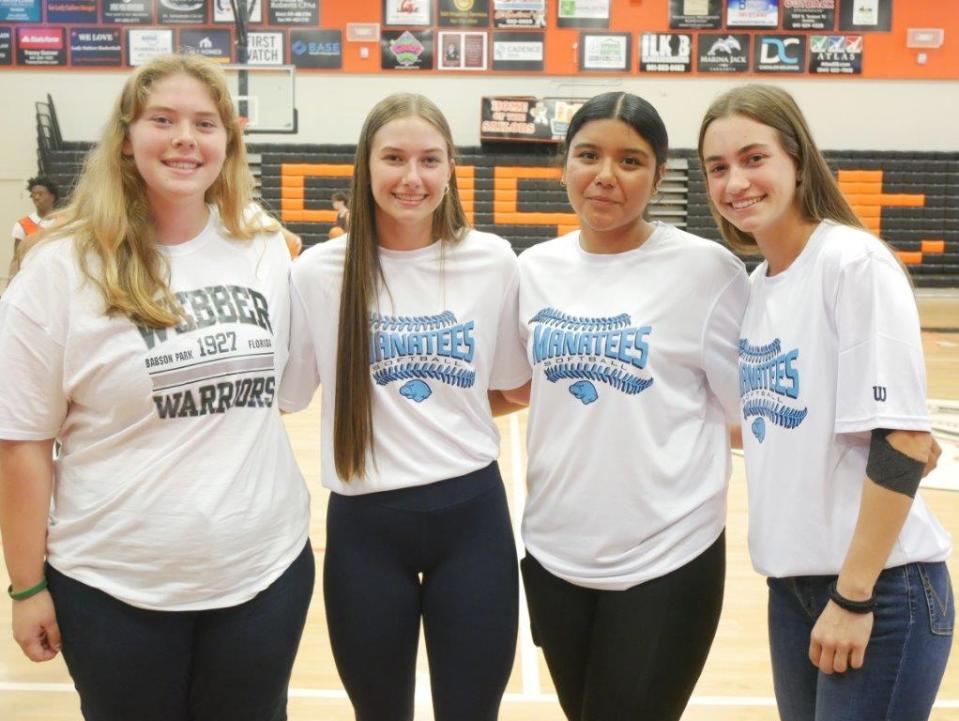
(835, 428)
(408, 322)
(631, 327)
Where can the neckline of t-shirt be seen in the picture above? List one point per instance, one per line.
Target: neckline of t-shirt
(196, 243)
(808, 251)
(411, 255)
(659, 231)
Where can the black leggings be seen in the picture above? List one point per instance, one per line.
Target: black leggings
(627, 655)
(443, 552)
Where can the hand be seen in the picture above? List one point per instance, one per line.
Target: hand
(35, 627)
(934, 452)
(839, 639)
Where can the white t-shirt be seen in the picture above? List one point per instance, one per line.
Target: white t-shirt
(634, 382)
(176, 488)
(830, 349)
(19, 232)
(443, 334)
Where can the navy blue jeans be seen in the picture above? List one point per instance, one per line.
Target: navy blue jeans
(443, 553)
(905, 658)
(224, 664)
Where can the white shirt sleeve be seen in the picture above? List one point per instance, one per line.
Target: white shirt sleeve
(301, 376)
(18, 232)
(510, 366)
(32, 401)
(881, 380)
(720, 344)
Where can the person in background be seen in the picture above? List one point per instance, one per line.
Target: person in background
(835, 427)
(341, 204)
(45, 195)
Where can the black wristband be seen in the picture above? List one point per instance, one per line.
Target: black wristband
(847, 604)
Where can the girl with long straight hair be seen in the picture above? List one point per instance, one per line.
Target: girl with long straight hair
(147, 334)
(408, 323)
(835, 427)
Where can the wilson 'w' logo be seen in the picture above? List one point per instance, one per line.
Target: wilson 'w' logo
(879, 393)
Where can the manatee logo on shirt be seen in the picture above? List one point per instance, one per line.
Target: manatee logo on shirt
(418, 350)
(604, 350)
(769, 386)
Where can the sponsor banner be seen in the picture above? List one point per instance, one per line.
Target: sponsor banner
(20, 11)
(605, 51)
(862, 15)
(695, 14)
(6, 46)
(95, 47)
(780, 54)
(127, 12)
(223, 11)
(518, 51)
(519, 13)
(407, 12)
(406, 50)
(39, 46)
(294, 12)
(809, 14)
(582, 14)
(264, 48)
(752, 13)
(665, 52)
(463, 13)
(180, 12)
(462, 51)
(723, 53)
(216, 43)
(835, 54)
(527, 119)
(145, 44)
(71, 11)
(316, 48)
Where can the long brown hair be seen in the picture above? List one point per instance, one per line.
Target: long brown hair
(109, 215)
(362, 276)
(818, 193)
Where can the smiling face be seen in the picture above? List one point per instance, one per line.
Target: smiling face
(751, 179)
(410, 167)
(611, 174)
(178, 142)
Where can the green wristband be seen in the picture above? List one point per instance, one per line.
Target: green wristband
(26, 593)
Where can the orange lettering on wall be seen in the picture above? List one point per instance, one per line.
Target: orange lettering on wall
(505, 194)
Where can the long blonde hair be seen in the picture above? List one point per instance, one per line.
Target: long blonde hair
(818, 193)
(362, 274)
(109, 216)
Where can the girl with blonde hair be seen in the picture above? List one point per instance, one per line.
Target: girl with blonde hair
(147, 334)
(835, 428)
(408, 322)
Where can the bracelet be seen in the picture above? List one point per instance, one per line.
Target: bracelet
(847, 604)
(26, 593)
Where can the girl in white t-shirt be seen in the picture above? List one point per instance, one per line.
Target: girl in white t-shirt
(835, 427)
(147, 334)
(631, 328)
(407, 323)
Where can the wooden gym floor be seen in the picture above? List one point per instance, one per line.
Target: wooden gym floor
(736, 684)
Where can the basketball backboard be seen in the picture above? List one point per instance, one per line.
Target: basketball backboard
(264, 95)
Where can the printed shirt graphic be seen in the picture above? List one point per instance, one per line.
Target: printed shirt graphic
(174, 455)
(634, 360)
(769, 386)
(817, 342)
(609, 351)
(442, 334)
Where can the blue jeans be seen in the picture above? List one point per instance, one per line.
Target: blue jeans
(905, 658)
(222, 664)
